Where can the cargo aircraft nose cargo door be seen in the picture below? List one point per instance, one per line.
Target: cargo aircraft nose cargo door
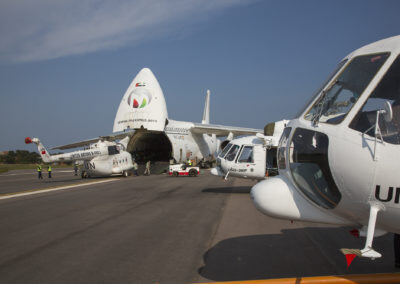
(150, 145)
(143, 105)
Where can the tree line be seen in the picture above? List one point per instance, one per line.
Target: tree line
(20, 157)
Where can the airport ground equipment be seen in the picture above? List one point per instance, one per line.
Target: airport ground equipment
(183, 170)
(251, 157)
(339, 159)
(103, 158)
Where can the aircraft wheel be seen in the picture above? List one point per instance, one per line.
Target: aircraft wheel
(125, 174)
(175, 174)
(192, 173)
(84, 174)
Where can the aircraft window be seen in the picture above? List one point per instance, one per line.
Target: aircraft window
(225, 150)
(310, 167)
(282, 148)
(246, 156)
(232, 153)
(387, 90)
(339, 97)
(271, 159)
(113, 150)
(316, 94)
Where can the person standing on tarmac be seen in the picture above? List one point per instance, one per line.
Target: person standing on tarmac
(75, 169)
(147, 170)
(135, 168)
(49, 170)
(39, 171)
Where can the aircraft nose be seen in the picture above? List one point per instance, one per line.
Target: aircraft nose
(216, 171)
(274, 198)
(277, 197)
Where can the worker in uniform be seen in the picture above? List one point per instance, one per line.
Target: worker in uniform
(135, 168)
(39, 171)
(189, 162)
(76, 169)
(49, 170)
(147, 170)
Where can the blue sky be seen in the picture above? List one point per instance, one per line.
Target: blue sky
(65, 65)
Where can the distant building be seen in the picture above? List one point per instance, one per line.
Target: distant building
(2, 153)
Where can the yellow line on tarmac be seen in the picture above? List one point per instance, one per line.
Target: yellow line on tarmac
(48, 189)
(381, 278)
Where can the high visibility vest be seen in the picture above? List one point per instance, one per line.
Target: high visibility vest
(39, 168)
(49, 169)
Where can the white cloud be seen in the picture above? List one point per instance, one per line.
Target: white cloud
(46, 29)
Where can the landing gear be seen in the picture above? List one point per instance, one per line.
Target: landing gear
(125, 174)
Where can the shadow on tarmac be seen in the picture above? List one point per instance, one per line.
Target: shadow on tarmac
(293, 253)
(238, 189)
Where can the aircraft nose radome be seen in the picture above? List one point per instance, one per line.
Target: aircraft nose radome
(216, 172)
(145, 74)
(273, 198)
(277, 197)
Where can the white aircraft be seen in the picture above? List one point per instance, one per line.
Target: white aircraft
(156, 137)
(142, 113)
(251, 157)
(103, 158)
(339, 159)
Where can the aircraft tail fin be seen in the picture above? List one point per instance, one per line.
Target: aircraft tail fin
(46, 157)
(206, 113)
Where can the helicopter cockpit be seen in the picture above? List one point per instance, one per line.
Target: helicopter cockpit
(338, 159)
(350, 128)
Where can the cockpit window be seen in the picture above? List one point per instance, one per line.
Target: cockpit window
(338, 67)
(338, 98)
(225, 150)
(310, 167)
(246, 156)
(113, 150)
(388, 90)
(232, 153)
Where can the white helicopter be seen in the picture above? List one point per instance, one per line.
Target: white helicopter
(251, 157)
(339, 159)
(102, 158)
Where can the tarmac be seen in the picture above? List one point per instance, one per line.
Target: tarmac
(160, 229)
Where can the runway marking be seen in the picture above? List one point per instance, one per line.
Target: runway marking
(32, 173)
(39, 190)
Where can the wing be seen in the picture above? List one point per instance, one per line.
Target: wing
(111, 137)
(223, 130)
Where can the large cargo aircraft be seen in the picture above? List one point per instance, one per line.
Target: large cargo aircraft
(156, 137)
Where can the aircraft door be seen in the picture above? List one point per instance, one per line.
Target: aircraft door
(271, 161)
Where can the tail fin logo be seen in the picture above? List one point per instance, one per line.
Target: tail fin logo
(139, 98)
